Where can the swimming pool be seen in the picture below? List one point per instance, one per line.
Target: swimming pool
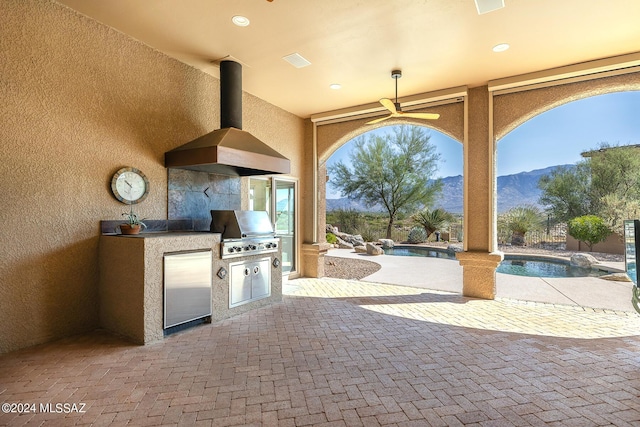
(519, 265)
(514, 264)
(420, 251)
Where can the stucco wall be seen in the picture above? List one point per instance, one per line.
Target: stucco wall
(79, 101)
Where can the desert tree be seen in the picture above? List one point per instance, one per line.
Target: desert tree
(394, 170)
(605, 183)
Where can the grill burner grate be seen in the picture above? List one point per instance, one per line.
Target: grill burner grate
(244, 233)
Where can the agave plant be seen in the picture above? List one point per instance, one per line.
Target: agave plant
(520, 220)
(432, 220)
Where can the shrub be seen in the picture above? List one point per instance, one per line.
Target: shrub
(590, 229)
(331, 238)
(368, 233)
(348, 220)
(417, 235)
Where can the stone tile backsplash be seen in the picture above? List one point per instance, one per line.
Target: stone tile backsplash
(193, 194)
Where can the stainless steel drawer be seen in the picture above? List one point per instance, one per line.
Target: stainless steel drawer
(187, 286)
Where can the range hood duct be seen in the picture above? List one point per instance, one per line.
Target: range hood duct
(229, 150)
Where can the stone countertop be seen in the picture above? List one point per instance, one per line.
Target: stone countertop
(165, 234)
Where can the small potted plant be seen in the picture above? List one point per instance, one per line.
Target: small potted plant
(134, 224)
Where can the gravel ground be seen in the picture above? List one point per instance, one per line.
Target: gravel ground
(350, 269)
(355, 269)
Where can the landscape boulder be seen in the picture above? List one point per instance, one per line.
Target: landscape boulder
(386, 243)
(354, 239)
(373, 249)
(343, 245)
(583, 260)
(360, 249)
(454, 248)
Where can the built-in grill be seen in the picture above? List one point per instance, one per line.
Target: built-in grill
(244, 233)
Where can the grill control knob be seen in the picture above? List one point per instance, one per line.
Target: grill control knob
(237, 248)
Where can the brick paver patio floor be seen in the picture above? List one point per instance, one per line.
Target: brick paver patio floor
(345, 353)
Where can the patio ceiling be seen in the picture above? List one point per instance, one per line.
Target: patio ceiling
(437, 44)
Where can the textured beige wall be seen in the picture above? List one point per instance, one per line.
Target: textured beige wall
(79, 101)
(613, 244)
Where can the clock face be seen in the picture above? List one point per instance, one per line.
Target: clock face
(130, 185)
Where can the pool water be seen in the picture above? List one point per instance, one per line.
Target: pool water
(512, 264)
(545, 268)
(420, 251)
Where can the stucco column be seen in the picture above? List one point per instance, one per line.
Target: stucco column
(479, 259)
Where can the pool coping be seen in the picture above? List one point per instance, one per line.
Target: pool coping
(441, 275)
(527, 257)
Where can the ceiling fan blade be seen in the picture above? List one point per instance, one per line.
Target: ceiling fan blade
(378, 120)
(388, 104)
(427, 116)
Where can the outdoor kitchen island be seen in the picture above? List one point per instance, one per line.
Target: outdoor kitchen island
(131, 289)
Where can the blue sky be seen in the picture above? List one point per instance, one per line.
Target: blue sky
(557, 136)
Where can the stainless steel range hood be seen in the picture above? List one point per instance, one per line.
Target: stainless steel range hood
(229, 150)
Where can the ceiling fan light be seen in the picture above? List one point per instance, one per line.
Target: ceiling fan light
(335, 86)
(501, 47)
(240, 21)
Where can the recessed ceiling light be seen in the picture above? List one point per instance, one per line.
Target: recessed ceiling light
(240, 21)
(335, 86)
(501, 47)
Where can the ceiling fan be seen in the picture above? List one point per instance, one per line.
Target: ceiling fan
(396, 110)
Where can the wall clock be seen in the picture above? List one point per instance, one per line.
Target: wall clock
(130, 186)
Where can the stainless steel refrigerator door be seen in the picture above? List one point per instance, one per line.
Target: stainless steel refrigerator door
(187, 286)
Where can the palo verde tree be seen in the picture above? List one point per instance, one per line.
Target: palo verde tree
(393, 170)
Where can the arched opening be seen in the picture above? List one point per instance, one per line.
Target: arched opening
(358, 215)
(547, 143)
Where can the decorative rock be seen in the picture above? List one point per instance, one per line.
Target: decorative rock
(386, 243)
(344, 245)
(616, 277)
(454, 248)
(583, 260)
(360, 249)
(374, 250)
(331, 229)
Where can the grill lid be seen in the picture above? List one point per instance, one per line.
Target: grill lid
(241, 224)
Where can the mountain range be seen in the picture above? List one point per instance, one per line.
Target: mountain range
(513, 190)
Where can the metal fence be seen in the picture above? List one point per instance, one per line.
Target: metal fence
(552, 235)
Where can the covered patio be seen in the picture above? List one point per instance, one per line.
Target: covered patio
(347, 353)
